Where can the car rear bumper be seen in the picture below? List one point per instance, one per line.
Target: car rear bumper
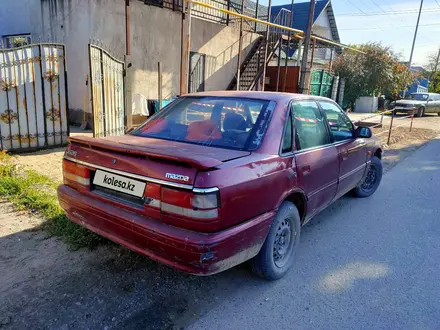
(188, 251)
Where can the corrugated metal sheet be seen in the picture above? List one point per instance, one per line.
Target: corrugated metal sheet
(300, 12)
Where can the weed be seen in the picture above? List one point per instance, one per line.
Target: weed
(27, 189)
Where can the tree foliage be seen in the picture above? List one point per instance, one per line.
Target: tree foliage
(434, 83)
(373, 73)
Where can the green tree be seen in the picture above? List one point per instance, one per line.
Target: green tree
(434, 83)
(377, 71)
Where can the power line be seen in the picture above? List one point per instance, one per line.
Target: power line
(362, 12)
(357, 7)
(390, 27)
(382, 10)
(396, 12)
(374, 2)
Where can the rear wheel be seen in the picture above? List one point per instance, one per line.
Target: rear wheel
(371, 180)
(421, 112)
(277, 254)
(438, 113)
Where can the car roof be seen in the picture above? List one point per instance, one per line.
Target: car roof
(270, 96)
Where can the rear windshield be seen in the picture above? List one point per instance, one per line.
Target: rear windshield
(233, 123)
(418, 97)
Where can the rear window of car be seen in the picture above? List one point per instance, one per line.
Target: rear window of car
(418, 97)
(233, 123)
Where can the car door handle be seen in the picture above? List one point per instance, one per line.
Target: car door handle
(306, 170)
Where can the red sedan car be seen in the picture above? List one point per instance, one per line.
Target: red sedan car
(219, 178)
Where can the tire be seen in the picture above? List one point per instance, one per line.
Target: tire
(421, 112)
(272, 263)
(367, 188)
(438, 113)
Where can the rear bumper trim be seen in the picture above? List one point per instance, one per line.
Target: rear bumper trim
(188, 251)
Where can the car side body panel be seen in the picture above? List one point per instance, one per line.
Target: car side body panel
(251, 186)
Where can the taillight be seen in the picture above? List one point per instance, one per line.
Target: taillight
(196, 204)
(75, 174)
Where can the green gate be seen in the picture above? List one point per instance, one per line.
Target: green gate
(321, 83)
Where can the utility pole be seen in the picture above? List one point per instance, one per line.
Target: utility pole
(128, 69)
(415, 36)
(436, 62)
(240, 41)
(305, 69)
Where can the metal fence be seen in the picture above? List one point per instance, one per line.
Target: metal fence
(33, 97)
(107, 86)
(253, 9)
(390, 128)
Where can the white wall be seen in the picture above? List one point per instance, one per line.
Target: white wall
(322, 28)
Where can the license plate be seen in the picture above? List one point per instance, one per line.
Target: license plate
(119, 183)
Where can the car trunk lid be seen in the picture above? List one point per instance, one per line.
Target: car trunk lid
(138, 172)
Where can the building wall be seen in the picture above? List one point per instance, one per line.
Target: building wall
(155, 36)
(322, 28)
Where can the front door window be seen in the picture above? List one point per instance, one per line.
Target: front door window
(311, 130)
(341, 127)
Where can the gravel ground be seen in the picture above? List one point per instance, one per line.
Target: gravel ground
(43, 285)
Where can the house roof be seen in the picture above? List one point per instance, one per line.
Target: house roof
(301, 14)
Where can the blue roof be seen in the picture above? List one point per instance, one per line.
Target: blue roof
(300, 12)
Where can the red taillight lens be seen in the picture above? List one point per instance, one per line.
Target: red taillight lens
(188, 203)
(76, 174)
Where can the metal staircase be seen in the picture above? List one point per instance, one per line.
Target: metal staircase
(253, 65)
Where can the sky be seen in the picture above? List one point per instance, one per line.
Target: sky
(391, 22)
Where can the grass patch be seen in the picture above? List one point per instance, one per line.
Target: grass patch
(27, 189)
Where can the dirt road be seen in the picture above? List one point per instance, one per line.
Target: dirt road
(43, 285)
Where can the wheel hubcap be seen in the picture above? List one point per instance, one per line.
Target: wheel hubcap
(370, 179)
(283, 243)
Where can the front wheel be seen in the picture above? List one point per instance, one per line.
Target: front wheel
(277, 254)
(421, 112)
(371, 180)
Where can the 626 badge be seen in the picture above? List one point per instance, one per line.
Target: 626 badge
(119, 183)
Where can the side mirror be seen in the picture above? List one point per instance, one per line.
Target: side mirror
(363, 132)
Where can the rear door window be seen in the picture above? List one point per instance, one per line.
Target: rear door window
(288, 136)
(310, 127)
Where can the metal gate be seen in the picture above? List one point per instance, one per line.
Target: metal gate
(321, 83)
(33, 97)
(107, 85)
